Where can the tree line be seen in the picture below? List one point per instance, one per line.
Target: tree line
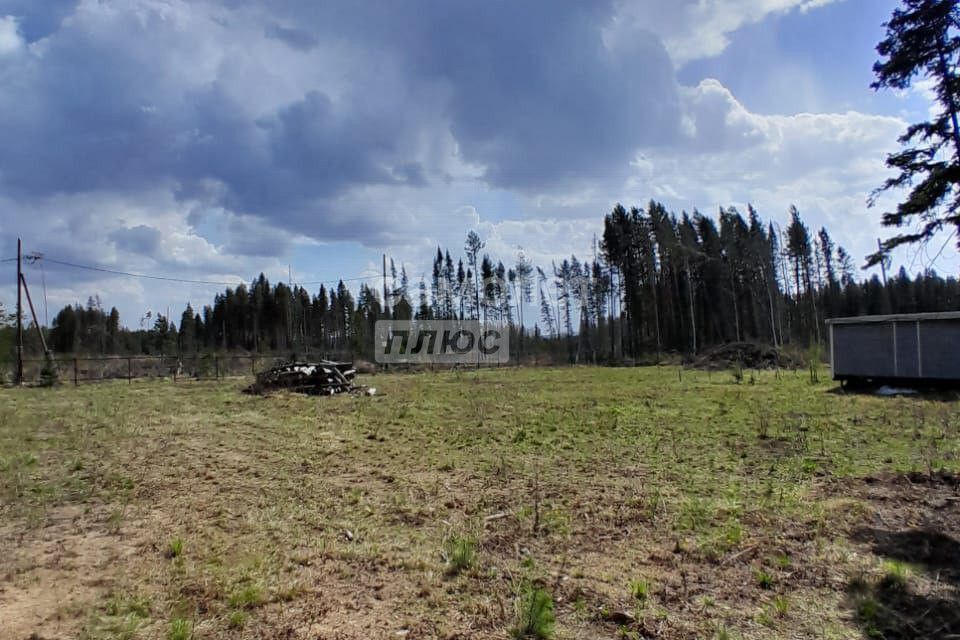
(656, 283)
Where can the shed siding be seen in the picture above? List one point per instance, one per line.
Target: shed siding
(940, 349)
(863, 350)
(908, 364)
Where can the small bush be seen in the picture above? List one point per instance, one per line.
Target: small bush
(180, 629)
(461, 554)
(737, 372)
(535, 617)
(238, 619)
(814, 358)
(175, 548)
(722, 633)
(640, 590)
(781, 605)
(896, 574)
(764, 579)
(49, 376)
(248, 597)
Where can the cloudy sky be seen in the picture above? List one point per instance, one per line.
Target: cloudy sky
(212, 140)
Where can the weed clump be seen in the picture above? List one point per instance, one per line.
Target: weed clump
(640, 590)
(535, 618)
(175, 548)
(736, 371)
(896, 575)
(764, 580)
(461, 554)
(814, 358)
(249, 597)
(180, 629)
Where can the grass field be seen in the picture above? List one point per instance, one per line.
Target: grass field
(569, 503)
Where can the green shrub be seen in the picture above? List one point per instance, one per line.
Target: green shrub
(535, 617)
(737, 372)
(180, 629)
(461, 554)
(814, 359)
(764, 579)
(248, 597)
(175, 548)
(640, 590)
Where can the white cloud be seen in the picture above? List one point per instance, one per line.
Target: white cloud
(695, 29)
(10, 40)
(825, 163)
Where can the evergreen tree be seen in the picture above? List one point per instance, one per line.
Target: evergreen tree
(922, 41)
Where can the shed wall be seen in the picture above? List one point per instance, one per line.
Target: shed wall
(863, 350)
(921, 349)
(908, 357)
(940, 348)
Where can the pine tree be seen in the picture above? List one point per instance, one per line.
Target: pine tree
(922, 41)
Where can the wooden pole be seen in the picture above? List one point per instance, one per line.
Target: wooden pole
(76, 372)
(129, 370)
(19, 315)
(36, 321)
(386, 306)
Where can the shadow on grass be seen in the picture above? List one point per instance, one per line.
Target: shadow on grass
(889, 608)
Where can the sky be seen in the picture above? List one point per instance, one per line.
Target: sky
(213, 140)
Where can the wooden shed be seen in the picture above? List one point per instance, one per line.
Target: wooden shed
(907, 347)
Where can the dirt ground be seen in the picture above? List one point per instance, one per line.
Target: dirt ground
(647, 504)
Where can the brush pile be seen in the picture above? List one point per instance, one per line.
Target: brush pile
(748, 356)
(325, 378)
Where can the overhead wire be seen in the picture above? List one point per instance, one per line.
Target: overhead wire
(118, 272)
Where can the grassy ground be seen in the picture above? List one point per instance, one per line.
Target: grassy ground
(624, 503)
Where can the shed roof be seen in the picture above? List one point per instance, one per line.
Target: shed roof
(898, 317)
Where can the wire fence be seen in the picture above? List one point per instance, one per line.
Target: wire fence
(86, 369)
(91, 369)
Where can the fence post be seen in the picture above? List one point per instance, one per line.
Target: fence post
(253, 364)
(129, 370)
(76, 372)
(216, 365)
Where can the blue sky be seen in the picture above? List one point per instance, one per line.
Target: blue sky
(215, 139)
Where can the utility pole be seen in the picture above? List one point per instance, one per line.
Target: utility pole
(19, 315)
(386, 306)
(36, 320)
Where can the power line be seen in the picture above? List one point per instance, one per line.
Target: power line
(336, 280)
(136, 275)
(129, 274)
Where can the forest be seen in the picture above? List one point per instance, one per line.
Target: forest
(657, 283)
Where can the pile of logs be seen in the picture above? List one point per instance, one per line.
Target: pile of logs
(315, 378)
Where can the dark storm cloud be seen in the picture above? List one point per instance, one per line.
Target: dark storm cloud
(534, 95)
(130, 95)
(296, 38)
(141, 239)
